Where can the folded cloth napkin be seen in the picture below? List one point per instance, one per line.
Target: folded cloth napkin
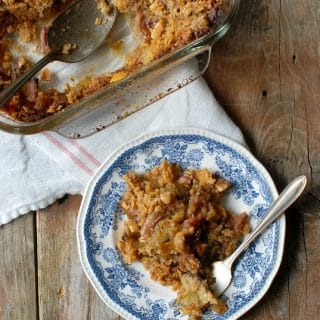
(39, 169)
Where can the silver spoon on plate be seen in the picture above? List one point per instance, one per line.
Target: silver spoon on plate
(75, 34)
(222, 270)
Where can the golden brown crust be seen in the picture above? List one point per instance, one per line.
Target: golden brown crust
(176, 228)
(162, 25)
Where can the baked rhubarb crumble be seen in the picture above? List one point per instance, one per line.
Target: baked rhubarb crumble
(162, 27)
(177, 227)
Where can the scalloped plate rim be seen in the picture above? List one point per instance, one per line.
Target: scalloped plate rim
(139, 140)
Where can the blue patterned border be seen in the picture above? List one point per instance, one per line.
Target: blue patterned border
(176, 148)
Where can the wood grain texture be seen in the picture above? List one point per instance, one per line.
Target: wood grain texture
(18, 297)
(266, 75)
(64, 291)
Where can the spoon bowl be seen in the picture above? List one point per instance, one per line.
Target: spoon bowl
(74, 35)
(82, 27)
(222, 270)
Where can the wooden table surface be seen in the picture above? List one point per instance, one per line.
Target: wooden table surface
(266, 73)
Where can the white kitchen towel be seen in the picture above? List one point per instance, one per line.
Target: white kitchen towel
(37, 170)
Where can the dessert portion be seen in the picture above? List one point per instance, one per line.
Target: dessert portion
(177, 227)
(162, 27)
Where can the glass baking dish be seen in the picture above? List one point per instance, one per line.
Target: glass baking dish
(140, 89)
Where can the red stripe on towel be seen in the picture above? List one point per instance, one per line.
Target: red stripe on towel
(85, 152)
(75, 159)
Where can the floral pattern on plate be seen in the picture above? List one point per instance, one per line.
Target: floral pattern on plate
(128, 289)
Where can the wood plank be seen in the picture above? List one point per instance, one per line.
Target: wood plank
(254, 77)
(311, 236)
(18, 299)
(244, 75)
(64, 291)
(266, 75)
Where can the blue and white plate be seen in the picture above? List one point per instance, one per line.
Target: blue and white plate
(128, 289)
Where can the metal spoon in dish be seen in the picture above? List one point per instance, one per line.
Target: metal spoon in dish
(75, 34)
(222, 270)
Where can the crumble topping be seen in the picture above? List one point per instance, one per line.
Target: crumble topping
(177, 227)
(163, 26)
(68, 47)
(45, 74)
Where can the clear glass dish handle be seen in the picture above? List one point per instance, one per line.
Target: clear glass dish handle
(173, 76)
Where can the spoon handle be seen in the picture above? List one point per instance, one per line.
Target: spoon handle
(8, 92)
(287, 197)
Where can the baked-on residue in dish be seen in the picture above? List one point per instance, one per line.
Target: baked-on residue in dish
(162, 26)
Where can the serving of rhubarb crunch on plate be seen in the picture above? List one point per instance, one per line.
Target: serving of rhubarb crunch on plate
(176, 227)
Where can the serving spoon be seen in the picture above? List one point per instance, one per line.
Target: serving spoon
(222, 270)
(75, 34)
